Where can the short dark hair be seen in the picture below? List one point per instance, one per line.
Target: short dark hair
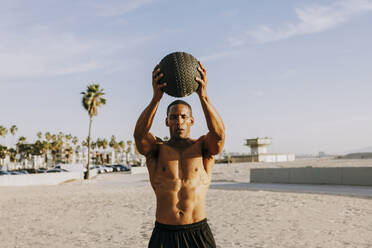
(176, 102)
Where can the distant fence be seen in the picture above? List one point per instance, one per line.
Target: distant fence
(39, 179)
(138, 170)
(361, 176)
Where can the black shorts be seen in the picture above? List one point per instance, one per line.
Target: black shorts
(195, 235)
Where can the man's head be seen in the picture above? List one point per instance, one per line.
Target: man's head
(179, 119)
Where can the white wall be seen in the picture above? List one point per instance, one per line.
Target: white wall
(39, 179)
(276, 157)
(138, 170)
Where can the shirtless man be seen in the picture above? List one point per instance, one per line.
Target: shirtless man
(180, 169)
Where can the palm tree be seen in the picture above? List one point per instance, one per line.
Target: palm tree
(67, 149)
(104, 146)
(112, 141)
(3, 149)
(75, 140)
(3, 153)
(84, 143)
(129, 150)
(12, 151)
(53, 146)
(114, 145)
(13, 130)
(61, 146)
(3, 133)
(48, 136)
(39, 135)
(22, 140)
(47, 145)
(68, 138)
(77, 150)
(95, 148)
(98, 152)
(91, 100)
(60, 135)
(45, 148)
(22, 148)
(121, 147)
(68, 153)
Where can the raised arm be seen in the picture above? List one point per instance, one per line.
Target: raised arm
(215, 138)
(145, 140)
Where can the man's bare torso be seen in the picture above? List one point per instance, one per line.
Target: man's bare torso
(180, 177)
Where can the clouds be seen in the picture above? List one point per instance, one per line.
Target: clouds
(216, 56)
(46, 53)
(48, 47)
(310, 19)
(120, 8)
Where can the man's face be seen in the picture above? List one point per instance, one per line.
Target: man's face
(179, 121)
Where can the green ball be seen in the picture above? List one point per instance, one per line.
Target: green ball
(180, 70)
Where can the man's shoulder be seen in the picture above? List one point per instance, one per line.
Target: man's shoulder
(201, 139)
(154, 152)
(205, 151)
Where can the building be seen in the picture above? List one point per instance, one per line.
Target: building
(259, 152)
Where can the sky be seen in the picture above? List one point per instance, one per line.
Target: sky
(298, 72)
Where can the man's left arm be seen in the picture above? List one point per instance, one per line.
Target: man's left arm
(215, 138)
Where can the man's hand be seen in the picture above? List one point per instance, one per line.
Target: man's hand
(202, 89)
(156, 77)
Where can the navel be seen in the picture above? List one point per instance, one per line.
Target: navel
(196, 169)
(180, 213)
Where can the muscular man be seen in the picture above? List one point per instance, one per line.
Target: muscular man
(180, 169)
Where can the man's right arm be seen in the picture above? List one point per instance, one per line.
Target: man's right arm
(145, 141)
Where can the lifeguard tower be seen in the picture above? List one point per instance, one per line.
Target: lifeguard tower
(259, 151)
(258, 145)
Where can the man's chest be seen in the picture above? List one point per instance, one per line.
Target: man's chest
(175, 163)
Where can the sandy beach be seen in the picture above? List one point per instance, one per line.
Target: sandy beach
(117, 210)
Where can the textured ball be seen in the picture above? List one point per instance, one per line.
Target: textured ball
(180, 70)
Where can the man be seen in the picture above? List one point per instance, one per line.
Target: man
(180, 169)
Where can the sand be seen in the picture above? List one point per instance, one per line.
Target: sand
(117, 210)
